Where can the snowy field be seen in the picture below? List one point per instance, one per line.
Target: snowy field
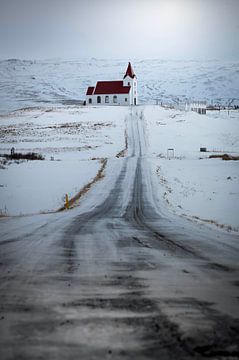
(35, 83)
(190, 184)
(73, 140)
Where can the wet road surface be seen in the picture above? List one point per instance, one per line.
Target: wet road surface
(120, 280)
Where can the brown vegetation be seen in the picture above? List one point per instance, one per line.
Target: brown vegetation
(87, 187)
(221, 226)
(123, 152)
(224, 157)
(20, 156)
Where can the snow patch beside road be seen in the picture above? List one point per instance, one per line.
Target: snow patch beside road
(40, 186)
(201, 190)
(192, 185)
(72, 140)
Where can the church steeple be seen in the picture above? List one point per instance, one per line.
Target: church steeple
(130, 72)
(130, 80)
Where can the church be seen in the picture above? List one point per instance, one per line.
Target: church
(119, 92)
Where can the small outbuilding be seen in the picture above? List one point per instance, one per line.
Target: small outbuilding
(198, 106)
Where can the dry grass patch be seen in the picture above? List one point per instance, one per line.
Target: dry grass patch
(87, 187)
(224, 157)
(20, 156)
(123, 152)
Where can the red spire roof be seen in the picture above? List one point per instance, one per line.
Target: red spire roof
(129, 72)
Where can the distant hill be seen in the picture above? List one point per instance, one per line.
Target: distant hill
(25, 83)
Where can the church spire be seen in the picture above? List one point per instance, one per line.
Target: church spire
(129, 71)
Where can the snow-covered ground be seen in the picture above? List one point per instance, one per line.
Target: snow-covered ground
(72, 140)
(33, 83)
(192, 185)
(40, 186)
(70, 136)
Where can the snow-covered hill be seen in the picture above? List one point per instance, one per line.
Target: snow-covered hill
(32, 83)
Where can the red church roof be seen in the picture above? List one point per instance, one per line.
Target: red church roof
(111, 87)
(129, 72)
(90, 90)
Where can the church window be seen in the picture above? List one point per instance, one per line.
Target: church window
(125, 99)
(98, 99)
(90, 101)
(114, 99)
(128, 84)
(107, 99)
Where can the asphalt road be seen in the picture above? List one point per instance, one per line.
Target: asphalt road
(118, 278)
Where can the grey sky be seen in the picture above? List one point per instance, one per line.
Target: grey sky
(171, 29)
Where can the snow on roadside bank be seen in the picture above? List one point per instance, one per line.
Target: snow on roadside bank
(40, 186)
(192, 185)
(201, 189)
(72, 140)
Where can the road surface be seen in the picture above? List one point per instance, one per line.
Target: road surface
(118, 277)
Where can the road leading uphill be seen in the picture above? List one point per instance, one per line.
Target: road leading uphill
(118, 280)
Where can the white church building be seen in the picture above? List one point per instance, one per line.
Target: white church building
(119, 92)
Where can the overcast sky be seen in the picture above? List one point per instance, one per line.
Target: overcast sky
(165, 29)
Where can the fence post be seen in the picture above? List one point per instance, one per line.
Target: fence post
(170, 153)
(67, 202)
